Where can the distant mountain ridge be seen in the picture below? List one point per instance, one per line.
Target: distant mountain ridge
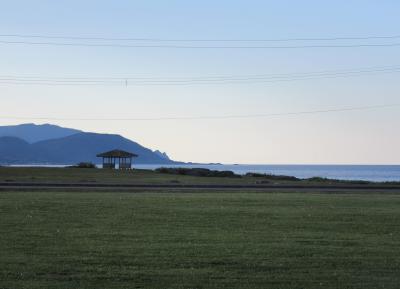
(33, 133)
(72, 147)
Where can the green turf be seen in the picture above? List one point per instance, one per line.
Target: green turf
(62, 175)
(148, 177)
(199, 240)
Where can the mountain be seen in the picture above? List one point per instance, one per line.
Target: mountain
(85, 147)
(71, 149)
(33, 133)
(13, 149)
(161, 154)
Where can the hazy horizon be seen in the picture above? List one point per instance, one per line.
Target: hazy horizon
(180, 118)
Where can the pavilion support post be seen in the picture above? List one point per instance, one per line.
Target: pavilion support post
(117, 157)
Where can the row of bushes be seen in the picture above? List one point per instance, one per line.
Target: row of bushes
(308, 180)
(272, 177)
(326, 180)
(197, 172)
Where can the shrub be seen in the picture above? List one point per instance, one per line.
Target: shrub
(85, 165)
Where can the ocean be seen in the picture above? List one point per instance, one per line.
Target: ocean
(377, 173)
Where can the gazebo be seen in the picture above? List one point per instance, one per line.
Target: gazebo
(110, 159)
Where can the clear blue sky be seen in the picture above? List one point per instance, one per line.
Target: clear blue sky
(360, 137)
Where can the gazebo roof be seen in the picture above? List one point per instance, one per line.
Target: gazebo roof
(117, 154)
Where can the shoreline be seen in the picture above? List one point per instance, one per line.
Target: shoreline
(361, 173)
(172, 179)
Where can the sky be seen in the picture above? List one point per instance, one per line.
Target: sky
(368, 136)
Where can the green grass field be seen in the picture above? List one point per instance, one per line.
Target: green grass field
(147, 177)
(62, 175)
(199, 240)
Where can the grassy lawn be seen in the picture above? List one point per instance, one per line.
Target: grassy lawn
(147, 177)
(63, 175)
(199, 240)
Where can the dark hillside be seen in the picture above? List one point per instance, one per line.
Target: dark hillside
(13, 150)
(85, 147)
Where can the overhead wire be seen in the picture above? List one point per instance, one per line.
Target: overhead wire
(39, 36)
(371, 45)
(210, 117)
(205, 80)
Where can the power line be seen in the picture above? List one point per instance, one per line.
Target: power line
(215, 117)
(226, 79)
(213, 77)
(126, 83)
(371, 37)
(198, 47)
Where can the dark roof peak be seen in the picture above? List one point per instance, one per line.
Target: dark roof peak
(117, 154)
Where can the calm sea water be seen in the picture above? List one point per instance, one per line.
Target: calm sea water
(376, 173)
